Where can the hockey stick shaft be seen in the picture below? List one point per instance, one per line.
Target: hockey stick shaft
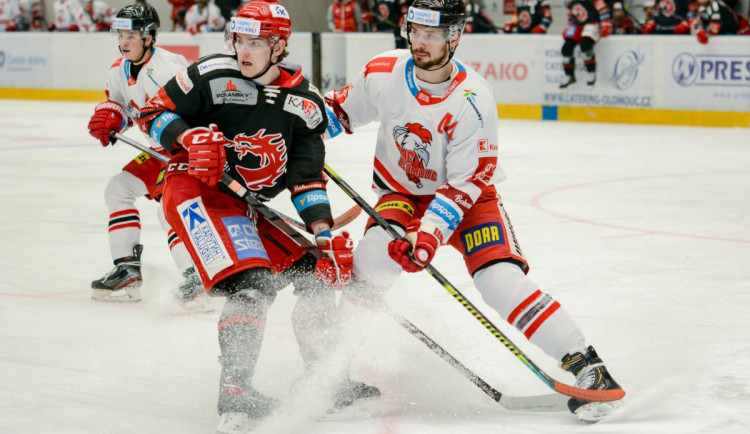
(339, 222)
(584, 394)
(531, 403)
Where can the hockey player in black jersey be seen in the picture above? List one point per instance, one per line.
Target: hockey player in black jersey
(588, 21)
(261, 122)
(531, 16)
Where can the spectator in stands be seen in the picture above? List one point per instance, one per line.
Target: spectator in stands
(531, 16)
(100, 14)
(204, 16)
(477, 20)
(10, 16)
(179, 8)
(344, 16)
(621, 22)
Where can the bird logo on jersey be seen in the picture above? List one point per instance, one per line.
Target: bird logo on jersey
(413, 141)
(269, 152)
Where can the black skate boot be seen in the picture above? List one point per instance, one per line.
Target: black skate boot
(241, 406)
(191, 295)
(591, 374)
(590, 79)
(567, 82)
(350, 391)
(124, 282)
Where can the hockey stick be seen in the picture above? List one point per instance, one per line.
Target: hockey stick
(583, 394)
(338, 222)
(528, 403)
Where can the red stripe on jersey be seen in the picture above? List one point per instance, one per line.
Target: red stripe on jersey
(539, 321)
(122, 213)
(174, 243)
(460, 198)
(380, 64)
(117, 63)
(381, 171)
(524, 304)
(123, 226)
(240, 320)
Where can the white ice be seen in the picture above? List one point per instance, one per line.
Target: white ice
(641, 232)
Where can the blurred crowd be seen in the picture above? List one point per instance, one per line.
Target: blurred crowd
(700, 18)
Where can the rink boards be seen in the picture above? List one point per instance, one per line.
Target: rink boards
(640, 79)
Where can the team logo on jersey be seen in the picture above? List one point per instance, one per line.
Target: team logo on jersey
(479, 237)
(306, 109)
(413, 141)
(580, 13)
(524, 19)
(267, 153)
(227, 90)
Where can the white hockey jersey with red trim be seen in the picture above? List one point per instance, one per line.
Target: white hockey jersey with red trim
(446, 145)
(133, 92)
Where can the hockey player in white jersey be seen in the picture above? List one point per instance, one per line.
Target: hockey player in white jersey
(435, 170)
(134, 78)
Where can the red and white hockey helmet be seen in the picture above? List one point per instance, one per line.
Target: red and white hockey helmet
(265, 19)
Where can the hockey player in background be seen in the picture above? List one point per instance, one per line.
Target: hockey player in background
(716, 18)
(452, 147)
(134, 78)
(99, 13)
(672, 17)
(261, 122)
(204, 16)
(588, 21)
(531, 16)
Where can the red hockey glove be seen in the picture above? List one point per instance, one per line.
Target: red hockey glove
(509, 26)
(335, 268)
(606, 28)
(422, 246)
(682, 29)
(649, 27)
(206, 152)
(108, 116)
(73, 28)
(539, 29)
(196, 28)
(702, 36)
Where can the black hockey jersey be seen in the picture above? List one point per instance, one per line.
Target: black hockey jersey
(718, 19)
(532, 13)
(275, 129)
(582, 12)
(670, 13)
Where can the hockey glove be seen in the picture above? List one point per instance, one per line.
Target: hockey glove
(108, 116)
(509, 26)
(649, 28)
(335, 268)
(702, 36)
(539, 29)
(415, 250)
(206, 153)
(606, 28)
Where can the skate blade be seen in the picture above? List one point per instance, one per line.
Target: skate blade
(595, 411)
(128, 294)
(236, 423)
(199, 304)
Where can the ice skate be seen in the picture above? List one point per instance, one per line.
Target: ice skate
(123, 283)
(590, 79)
(568, 82)
(191, 295)
(591, 374)
(349, 391)
(237, 397)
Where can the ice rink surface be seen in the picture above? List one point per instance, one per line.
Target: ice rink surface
(641, 232)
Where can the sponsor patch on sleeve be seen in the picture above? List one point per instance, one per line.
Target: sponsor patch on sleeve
(446, 212)
(306, 109)
(310, 198)
(183, 81)
(158, 126)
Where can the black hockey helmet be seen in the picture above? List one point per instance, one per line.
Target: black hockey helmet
(138, 17)
(446, 14)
